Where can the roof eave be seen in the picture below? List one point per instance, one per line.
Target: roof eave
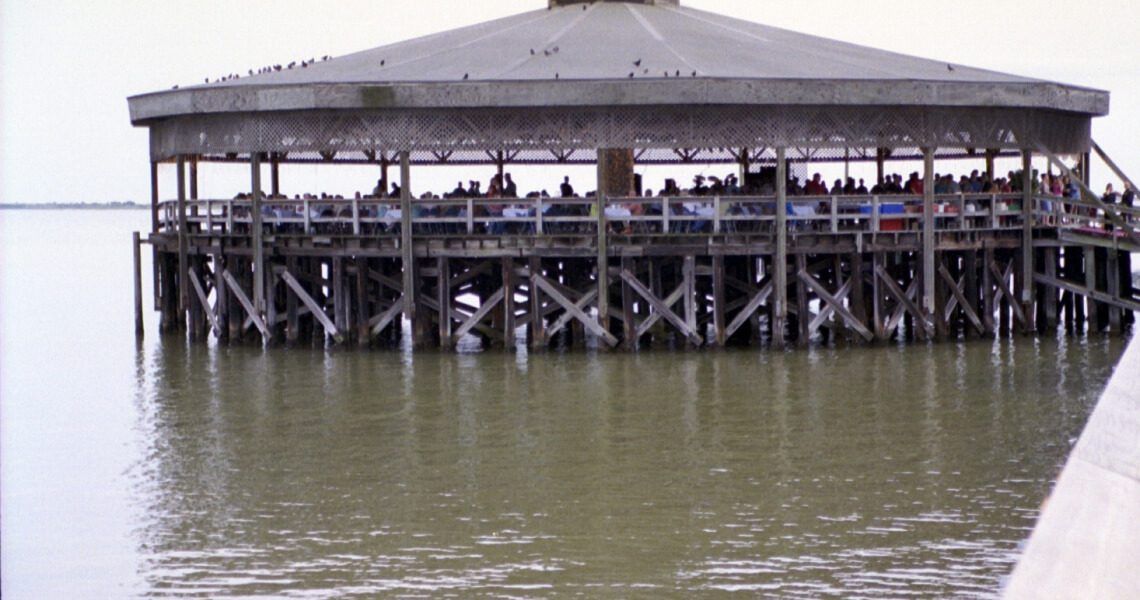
(648, 92)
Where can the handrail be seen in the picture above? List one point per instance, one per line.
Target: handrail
(673, 215)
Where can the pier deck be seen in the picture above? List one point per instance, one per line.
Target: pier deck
(677, 271)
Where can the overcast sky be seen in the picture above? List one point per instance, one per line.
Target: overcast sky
(67, 66)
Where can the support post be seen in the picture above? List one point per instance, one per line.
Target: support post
(1028, 287)
(629, 325)
(406, 249)
(537, 319)
(603, 246)
(136, 245)
(508, 265)
(443, 299)
(183, 245)
(718, 301)
(780, 314)
(688, 274)
(258, 249)
(803, 311)
(928, 276)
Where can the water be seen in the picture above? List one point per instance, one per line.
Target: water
(163, 469)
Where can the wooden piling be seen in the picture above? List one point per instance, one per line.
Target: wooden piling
(136, 247)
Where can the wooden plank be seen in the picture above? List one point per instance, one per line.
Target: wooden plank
(314, 308)
(484, 310)
(659, 306)
(956, 289)
(836, 304)
(1002, 282)
(377, 323)
(204, 302)
(245, 303)
(577, 313)
(900, 310)
(1078, 289)
(508, 274)
(903, 298)
(754, 303)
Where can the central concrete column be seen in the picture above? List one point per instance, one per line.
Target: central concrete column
(616, 174)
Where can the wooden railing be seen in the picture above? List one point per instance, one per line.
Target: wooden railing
(672, 216)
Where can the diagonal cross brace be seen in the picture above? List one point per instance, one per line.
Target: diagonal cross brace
(960, 298)
(835, 303)
(245, 302)
(904, 299)
(205, 302)
(577, 313)
(660, 307)
(314, 308)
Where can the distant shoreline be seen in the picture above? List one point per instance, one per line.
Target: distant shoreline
(75, 205)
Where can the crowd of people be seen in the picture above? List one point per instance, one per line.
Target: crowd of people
(503, 210)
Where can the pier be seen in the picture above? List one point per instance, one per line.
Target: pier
(758, 266)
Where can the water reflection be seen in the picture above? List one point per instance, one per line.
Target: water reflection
(860, 471)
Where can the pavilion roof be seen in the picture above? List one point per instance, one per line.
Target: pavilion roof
(603, 41)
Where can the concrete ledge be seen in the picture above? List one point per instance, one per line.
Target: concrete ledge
(1087, 541)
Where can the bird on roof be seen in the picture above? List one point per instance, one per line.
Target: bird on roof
(532, 51)
(949, 67)
(465, 77)
(637, 63)
(631, 74)
(382, 62)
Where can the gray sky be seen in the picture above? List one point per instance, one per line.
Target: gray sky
(67, 66)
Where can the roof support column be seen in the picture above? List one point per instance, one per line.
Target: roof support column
(154, 196)
(780, 278)
(255, 227)
(1028, 289)
(275, 174)
(406, 236)
(928, 274)
(194, 180)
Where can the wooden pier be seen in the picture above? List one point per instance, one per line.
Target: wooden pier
(710, 271)
(616, 83)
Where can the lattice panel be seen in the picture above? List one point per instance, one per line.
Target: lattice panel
(468, 133)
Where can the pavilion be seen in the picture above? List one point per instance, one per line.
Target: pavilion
(612, 83)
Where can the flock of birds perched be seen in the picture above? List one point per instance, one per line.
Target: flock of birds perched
(304, 64)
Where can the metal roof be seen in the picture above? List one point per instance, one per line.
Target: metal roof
(619, 54)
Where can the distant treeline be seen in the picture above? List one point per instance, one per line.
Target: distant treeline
(74, 205)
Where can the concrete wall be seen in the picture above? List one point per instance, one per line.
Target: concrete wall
(1087, 541)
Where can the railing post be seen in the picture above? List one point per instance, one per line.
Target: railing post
(355, 216)
(834, 214)
(665, 214)
(875, 214)
(716, 214)
(209, 217)
(470, 216)
(308, 219)
(538, 215)
(994, 220)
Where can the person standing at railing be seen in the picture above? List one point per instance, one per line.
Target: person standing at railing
(1109, 197)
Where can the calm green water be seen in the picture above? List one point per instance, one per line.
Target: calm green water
(161, 469)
